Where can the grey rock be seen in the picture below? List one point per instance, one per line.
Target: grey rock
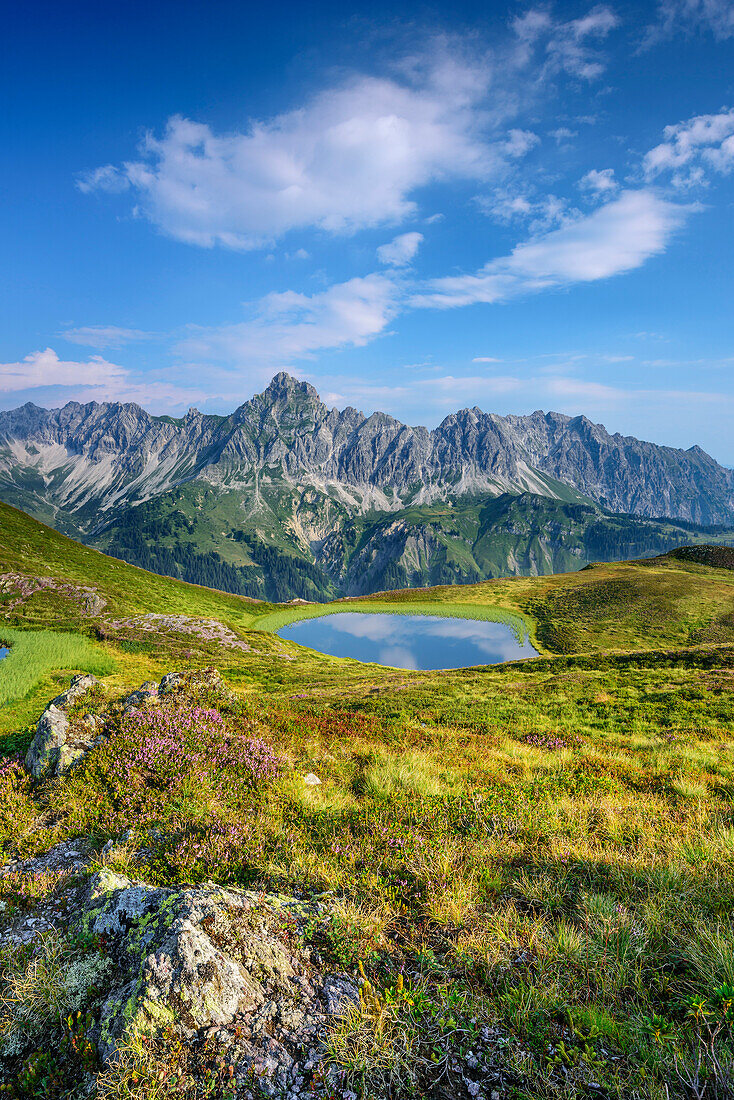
(145, 694)
(202, 959)
(207, 677)
(100, 457)
(55, 747)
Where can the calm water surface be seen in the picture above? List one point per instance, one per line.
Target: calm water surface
(3, 652)
(410, 641)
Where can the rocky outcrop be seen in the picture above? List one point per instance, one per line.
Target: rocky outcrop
(22, 588)
(204, 963)
(86, 459)
(197, 958)
(208, 630)
(56, 744)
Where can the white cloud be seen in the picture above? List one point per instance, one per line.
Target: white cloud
(563, 134)
(350, 158)
(616, 238)
(44, 368)
(716, 16)
(599, 181)
(520, 142)
(295, 326)
(690, 148)
(485, 359)
(103, 336)
(541, 214)
(566, 47)
(95, 379)
(108, 178)
(401, 250)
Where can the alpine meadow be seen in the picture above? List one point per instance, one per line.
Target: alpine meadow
(367, 551)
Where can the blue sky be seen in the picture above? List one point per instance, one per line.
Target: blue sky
(416, 208)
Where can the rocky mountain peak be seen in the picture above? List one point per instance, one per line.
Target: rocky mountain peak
(284, 386)
(121, 453)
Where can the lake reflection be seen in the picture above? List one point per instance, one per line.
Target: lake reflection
(410, 641)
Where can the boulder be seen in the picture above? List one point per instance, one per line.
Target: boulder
(145, 694)
(55, 747)
(198, 678)
(208, 959)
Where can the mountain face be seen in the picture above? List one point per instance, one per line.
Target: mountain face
(333, 488)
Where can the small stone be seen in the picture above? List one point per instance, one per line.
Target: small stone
(311, 780)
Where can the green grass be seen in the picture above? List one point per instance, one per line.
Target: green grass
(546, 847)
(35, 653)
(33, 549)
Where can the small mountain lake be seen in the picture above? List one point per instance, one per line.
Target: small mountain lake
(4, 651)
(410, 641)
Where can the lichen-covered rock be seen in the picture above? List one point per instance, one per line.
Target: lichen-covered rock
(197, 678)
(55, 746)
(146, 693)
(205, 957)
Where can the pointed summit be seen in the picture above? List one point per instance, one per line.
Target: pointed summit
(284, 386)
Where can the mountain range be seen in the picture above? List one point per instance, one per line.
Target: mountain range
(287, 497)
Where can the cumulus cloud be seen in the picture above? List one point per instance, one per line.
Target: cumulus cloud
(350, 158)
(44, 368)
(294, 326)
(569, 47)
(689, 149)
(520, 142)
(95, 379)
(617, 237)
(599, 181)
(401, 250)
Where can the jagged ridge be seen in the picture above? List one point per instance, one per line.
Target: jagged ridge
(83, 460)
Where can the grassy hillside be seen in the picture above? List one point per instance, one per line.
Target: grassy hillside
(543, 850)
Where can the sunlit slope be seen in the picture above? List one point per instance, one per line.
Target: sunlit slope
(31, 548)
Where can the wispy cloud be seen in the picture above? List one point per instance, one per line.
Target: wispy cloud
(355, 155)
(685, 16)
(618, 237)
(348, 159)
(540, 213)
(569, 47)
(103, 336)
(295, 326)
